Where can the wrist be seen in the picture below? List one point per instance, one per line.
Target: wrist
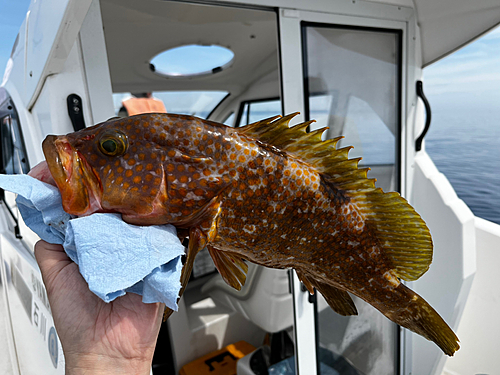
(79, 364)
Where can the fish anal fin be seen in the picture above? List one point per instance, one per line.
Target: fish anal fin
(339, 300)
(230, 266)
(305, 281)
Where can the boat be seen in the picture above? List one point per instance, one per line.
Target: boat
(354, 66)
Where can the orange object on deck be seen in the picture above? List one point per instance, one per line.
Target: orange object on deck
(221, 362)
(136, 106)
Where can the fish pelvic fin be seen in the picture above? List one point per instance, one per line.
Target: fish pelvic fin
(230, 266)
(339, 300)
(418, 316)
(401, 232)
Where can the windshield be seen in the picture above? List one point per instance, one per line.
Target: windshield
(195, 103)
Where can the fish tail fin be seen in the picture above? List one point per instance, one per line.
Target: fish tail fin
(418, 316)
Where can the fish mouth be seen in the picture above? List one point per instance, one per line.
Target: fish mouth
(79, 186)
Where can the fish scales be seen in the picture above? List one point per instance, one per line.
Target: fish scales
(267, 193)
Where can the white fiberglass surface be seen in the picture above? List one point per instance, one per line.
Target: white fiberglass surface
(352, 80)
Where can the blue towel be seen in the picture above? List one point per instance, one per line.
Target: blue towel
(114, 257)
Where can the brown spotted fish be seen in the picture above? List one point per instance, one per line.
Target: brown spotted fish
(267, 193)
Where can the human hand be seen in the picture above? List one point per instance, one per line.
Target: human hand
(97, 337)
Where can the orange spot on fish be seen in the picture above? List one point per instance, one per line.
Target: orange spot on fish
(207, 172)
(129, 173)
(149, 167)
(131, 162)
(241, 159)
(180, 168)
(137, 179)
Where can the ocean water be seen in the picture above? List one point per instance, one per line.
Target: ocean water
(465, 146)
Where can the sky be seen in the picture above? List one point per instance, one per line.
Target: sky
(470, 75)
(12, 14)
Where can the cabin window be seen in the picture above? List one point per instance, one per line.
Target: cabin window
(194, 103)
(352, 79)
(192, 60)
(14, 160)
(256, 110)
(229, 119)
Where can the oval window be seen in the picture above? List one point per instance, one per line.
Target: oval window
(192, 60)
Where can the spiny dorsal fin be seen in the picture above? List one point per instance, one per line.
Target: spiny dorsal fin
(401, 232)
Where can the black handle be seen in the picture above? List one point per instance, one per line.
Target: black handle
(219, 359)
(75, 111)
(420, 94)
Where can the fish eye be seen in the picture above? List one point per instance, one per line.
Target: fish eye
(113, 143)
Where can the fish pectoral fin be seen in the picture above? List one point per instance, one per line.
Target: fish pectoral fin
(197, 241)
(339, 300)
(230, 266)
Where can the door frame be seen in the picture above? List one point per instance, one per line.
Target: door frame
(291, 55)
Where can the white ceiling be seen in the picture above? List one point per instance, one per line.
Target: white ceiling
(447, 25)
(136, 31)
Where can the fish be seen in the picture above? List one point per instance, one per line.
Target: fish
(268, 193)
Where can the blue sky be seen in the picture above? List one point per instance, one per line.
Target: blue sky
(470, 75)
(12, 14)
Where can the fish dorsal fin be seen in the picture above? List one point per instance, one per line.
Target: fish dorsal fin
(400, 231)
